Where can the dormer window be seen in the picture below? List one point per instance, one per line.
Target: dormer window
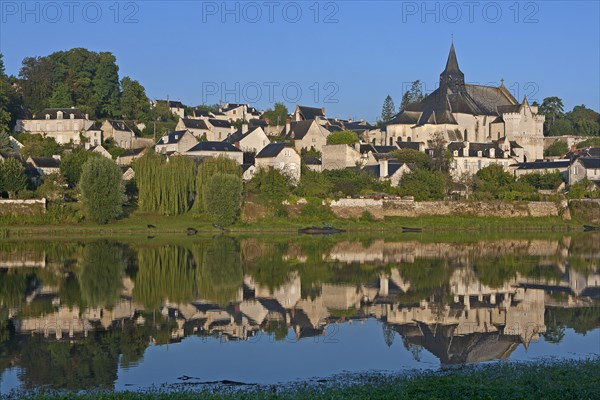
(59, 115)
(455, 153)
(47, 116)
(479, 153)
(72, 116)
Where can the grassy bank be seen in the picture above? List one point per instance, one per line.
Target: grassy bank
(551, 380)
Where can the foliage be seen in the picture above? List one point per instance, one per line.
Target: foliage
(348, 182)
(342, 137)
(493, 179)
(72, 163)
(441, 157)
(582, 189)
(591, 142)
(5, 143)
(270, 186)
(223, 198)
(558, 148)
(102, 190)
(209, 167)
(552, 108)
(220, 275)
(412, 157)
(313, 183)
(545, 181)
(100, 276)
(38, 145)
(412, 95)
(388, 110)
(310, 153)
(423, 185)
(580, 121)
(53, 188)
(12, 176)
(134, 102)
(277, 116)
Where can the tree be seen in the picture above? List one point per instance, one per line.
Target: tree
(494, 180)
(223, 198)
(134, 102)
(53, 187)
(552, 108)
(12, 177)
(5, 143)
(441, 157)
(38, 145)
(61, 97)
(558, 148)
(423, 185)
(100, 275)
(102, 190)
(209, 167)
(270, 186)
(277, 116)
(5, 116)
(72, 163)
(412, 95)
(413, 157)
(388, 110)
(342, 137)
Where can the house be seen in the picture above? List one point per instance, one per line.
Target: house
(101, 150)
(248, 171)
(307, 134)
(283, 158)
(130, 156)
(249, 141)
(128, 173)
(176, 107)
(197, 127)
(220, 129)
(199, 114)
(62, 124)
(313, 163)
(16, 145)
(45, 165)
(235, 112)
(304, 113)
(469, 158)
(93, 135)
(341, 156)
(216, 149)
(175, 142)
(391, 170)
(120, 134)
(585, 167)
(470, 113)
(542, 167)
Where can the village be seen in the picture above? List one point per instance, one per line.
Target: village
(461, 128)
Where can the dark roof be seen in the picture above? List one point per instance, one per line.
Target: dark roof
(219, 123)
(312, 161)
(231, 106)
(215, 146)
(299, 129)
(194, 123)
(367, 147)
(515, 145)
(375, 169)
(119, 125)
(409, 145)
(245, 167)
(544, 165)
(271, 150)
(172, 103)
(257, 122)
(200, 113)
(310, 112)
(172, 137)
(132, 152)
(238, 135)
(590, 162)
(475, 148)
(77, 113)
(385, 149)
(46, 162)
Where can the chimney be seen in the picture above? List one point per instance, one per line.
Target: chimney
(323, 110)
(288, 124)
(87, 116)
(466, 150)
(244, 128)
(383, 168)
(56, 157)
(232, 128)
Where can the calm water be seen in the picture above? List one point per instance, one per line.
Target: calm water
(166, 310)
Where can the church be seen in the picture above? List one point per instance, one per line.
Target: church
(463, 112)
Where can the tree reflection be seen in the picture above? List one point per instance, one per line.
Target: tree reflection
(101, 273)
(220, 276)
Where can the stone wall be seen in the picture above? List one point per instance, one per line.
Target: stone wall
(354, 208)
(22, 207)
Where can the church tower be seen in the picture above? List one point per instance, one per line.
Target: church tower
(452, 77)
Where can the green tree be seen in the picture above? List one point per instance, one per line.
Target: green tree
(557, 149)
(412, 95)
(494, 180)
(414, 157)
(342, 137)
(12, 177)
(423, 185)
(209, 167)
(100, 275)
(134, 102)
(545, 181)
(71, 164)
(38, 145)
(277, 116)
(4, 99)
(223, 198)
(552, 108)
(220, 275)
(102, 190)
(5, 143)
(441, 157)
(270, 186)
(561, 127)
(53, 187)
(61, 97)
(388, 110)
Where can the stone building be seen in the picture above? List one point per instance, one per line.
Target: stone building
(63, 124)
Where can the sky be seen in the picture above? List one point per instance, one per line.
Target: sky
(346, 56)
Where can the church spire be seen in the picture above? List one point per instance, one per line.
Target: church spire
(452, 77)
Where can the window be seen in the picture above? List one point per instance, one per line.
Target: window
(59, 115)
(72, 116)
(288, 153)
(314, 140)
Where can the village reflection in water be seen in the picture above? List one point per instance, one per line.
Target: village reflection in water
(73, 313)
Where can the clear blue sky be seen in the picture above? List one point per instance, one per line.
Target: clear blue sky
(354, 52)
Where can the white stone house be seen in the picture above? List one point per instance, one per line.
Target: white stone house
(175, 142)
(585, 167)
(131, 155)
(101, 150)
(249, 141)
(197, 127)
(235, 112)
(468, 158)
(340, 156)
(220, 129)
(216, 149)
(303, 113)
(391, 170)
(45, 165)
(121, 134)
(65, 125)
(176, 107)
(308, 134)
(283, 158)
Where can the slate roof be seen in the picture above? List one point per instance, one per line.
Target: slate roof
(172, 137)
(215, 146)
(238, 135)
(558, 164)
(385, 149)
(312, 161)
(219, 123)
(200, 113)
(46, 162)
(78, 114)
(255, 122)
(194, 123)
(245, 167)
(310, 112)
(119, 125)
(474, 148)
(271, 150)
(375, 169)
(132, 152)
(409, 145)
(299, 129)
(172, 103)
(590, 162)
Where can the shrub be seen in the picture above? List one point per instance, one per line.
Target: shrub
(223, 198)
(270, 186)
(558, 148)
(12, 177)
(102, 190)
(423, 185)
(342, 137)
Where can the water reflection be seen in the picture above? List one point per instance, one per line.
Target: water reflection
(72, 314)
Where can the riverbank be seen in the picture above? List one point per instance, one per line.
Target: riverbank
(541, 380)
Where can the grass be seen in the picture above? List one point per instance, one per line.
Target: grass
(568, 379)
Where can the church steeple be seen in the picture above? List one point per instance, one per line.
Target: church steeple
(452, 77)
